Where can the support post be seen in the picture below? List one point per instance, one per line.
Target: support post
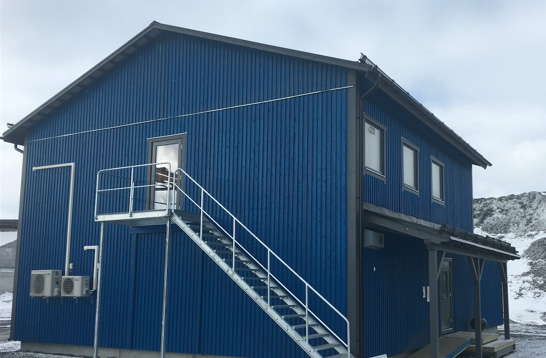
(99, 285)
(435, 259)
(476, 268)
(165, 288)
(504, 277)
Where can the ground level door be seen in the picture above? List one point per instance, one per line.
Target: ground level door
(446, 301)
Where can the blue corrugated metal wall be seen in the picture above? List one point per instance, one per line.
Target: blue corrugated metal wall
(399, 124)
(393, 306)
(395, 312)
(280, 167)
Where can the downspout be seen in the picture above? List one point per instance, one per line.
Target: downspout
(360, 191)
(70, 209)
(17, 149)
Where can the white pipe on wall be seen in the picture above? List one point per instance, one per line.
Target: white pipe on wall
(70, 208)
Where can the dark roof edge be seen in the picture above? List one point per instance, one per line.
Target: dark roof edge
(436, 234)
(355, 65)
(429, 119)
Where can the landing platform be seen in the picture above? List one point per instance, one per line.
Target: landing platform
(451, 346)
(137, 218)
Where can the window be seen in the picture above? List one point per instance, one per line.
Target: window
(168, 149)
(437, 179)
(374, 139)
(410, 166)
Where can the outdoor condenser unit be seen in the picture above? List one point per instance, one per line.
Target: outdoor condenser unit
(45, 283)
(75, 286)
(373, 240)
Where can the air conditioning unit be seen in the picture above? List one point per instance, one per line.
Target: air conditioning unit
(45, 283)
(75, 286)
(373, 240)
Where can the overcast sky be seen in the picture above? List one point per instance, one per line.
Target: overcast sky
(478, 65)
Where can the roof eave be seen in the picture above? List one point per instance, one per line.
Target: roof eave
(395, 91)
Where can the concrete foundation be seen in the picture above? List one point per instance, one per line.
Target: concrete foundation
(87, 351)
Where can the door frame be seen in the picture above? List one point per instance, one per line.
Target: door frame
(447, 268)
(153, 143)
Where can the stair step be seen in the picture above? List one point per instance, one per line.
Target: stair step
(294, 316)
(218, 243)
(222, 252)
(284, 306)
(281, 297)
(246, 269)
(299, 326)
(253, 278)
(318, 335)
(339, 356)
(327, 346)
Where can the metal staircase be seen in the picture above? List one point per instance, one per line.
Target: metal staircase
(200, 221)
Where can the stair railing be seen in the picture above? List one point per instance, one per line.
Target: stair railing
(165, 183)
(178, 178)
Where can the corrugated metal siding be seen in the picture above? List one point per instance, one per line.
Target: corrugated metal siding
(280, 167)
(399, 124)
(395, 312)
(393, 307)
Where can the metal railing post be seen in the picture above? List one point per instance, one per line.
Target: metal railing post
(131, 192)
(99, 285)
(306, 312)
(168, 189)
(348, 340)
(233, 248)
(268, 277)
(165, 288)
(201, 221)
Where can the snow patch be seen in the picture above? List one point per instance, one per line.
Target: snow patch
(6, 300)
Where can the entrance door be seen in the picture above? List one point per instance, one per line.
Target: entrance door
(446, 301)
(168, 149)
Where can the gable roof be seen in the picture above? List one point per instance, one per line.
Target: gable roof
(16, 134)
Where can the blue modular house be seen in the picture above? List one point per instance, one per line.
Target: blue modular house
(204, 195)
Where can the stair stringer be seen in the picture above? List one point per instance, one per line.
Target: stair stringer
(277, 318)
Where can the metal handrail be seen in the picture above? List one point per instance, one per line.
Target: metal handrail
(269, 254)
(132, 186)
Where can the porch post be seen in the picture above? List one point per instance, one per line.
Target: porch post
(435, 259)
(476, 268)
(504, 277)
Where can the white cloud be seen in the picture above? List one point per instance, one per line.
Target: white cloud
(476, 64)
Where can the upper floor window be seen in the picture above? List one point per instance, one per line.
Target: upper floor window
(410, 166)
(374, 148)
(437, 179)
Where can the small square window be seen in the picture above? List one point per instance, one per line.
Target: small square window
(410, 166)
(374, 139)
(437, 179)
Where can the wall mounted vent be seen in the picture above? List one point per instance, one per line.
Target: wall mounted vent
(75, 286)
(45, 283)
(373, 240)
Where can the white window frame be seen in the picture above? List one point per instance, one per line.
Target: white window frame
(382, 172)
(441, 199)
(415, 150)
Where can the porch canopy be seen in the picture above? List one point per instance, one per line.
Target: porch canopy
(439, 240)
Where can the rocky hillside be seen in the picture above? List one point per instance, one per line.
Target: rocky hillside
(521, 221)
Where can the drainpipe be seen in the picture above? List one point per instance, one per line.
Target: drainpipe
(70, 208)
(17, 149)
(360, 191)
